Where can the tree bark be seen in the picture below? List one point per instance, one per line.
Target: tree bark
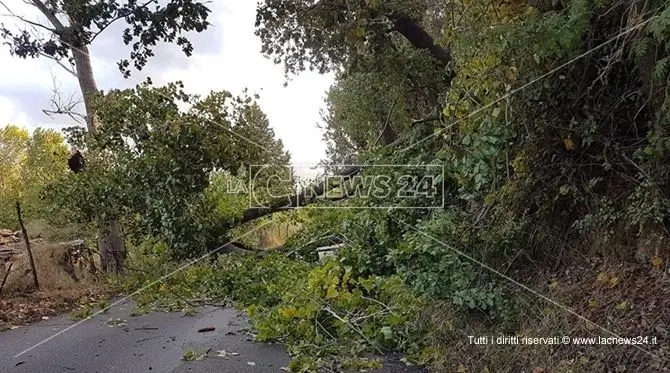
(239, 249)
(87, 84)
(112, 249)
(4, 278)
(111, 245)
(388, 134)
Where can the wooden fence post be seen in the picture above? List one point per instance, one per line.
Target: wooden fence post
(4, 279)
(30, 251)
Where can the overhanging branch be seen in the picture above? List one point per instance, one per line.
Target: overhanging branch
(24, 20)
(51, 16)
(419, 38)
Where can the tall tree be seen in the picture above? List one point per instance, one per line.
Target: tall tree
(72, 27)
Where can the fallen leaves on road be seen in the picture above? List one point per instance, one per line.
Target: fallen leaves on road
(35, 307)
(116, 323)
(193, 355)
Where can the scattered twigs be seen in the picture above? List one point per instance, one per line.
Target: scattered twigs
(132, 269)
(146, 328)
(354, 328)
(148, 338)
(30, 252)
(378, 302)
(359, 318)
(435, 116)
(317, 325)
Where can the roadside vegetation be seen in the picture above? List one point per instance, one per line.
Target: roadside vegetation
(549, 123)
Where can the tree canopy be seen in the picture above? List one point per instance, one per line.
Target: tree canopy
(76, 23)
(329, 34)
(155, 162)
(28, 163)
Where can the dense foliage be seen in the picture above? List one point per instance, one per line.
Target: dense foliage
(545, 146)
(551, 130)
(28, 163)
(320, 311)
(159, 168)
(146, 24)
(328, 35)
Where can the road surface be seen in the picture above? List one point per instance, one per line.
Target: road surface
(115, 342)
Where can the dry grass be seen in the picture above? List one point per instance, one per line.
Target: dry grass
(33, 307)
(40, 228)
(59, 292)
(52, 273)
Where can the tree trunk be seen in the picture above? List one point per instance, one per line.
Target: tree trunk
(112, 248)
(307, 196)
(419, 38)
(388, 134)
(111, 245)
(310, 193)
(87, 84)
(111, 242)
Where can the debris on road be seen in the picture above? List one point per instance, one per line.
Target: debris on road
(225, 354)
(146, 328)
(111, 323)
(193, 355)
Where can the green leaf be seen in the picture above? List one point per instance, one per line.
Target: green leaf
(332, 291)
(661, 69)
(387, 332)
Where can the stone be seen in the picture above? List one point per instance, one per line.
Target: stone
(6, 233)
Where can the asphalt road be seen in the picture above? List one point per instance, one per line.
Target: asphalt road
(116, 342)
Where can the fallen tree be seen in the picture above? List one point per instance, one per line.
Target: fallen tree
(308, 195)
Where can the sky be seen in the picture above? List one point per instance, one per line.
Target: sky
(226, 57)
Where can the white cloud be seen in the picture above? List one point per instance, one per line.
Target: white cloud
(234, 65)
(9, 114)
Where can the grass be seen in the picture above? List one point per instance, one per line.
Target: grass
(59, 291)
(40, 228)
(52, 271)
(81, 313)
